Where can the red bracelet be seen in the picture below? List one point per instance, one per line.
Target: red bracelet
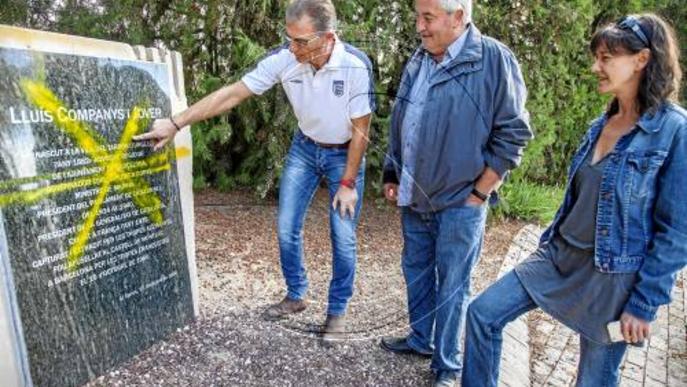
(349, 183)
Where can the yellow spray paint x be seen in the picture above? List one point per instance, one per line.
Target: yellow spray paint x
(148, 166)
(113, 169)
(125, 176)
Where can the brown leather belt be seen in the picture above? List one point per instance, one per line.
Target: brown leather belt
(323, 145)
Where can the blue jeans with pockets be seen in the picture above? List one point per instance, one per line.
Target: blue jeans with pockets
(440, 249)
(306, 165)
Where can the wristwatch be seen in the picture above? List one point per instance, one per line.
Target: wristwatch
(482, 196)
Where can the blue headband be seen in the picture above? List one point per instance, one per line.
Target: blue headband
(631, 23)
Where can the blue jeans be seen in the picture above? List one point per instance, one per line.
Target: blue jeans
(440, 249)
(502, 303)
(306, 165)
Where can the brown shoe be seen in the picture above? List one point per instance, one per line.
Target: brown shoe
(334, 329)
(284, 308)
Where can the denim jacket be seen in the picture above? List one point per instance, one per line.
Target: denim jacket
(474, 117)
(641, 220)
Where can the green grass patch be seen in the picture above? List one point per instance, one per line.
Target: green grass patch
(530, 202)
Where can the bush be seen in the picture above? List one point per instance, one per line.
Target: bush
(221, 40)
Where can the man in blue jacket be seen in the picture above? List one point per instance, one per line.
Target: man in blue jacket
(458, 127)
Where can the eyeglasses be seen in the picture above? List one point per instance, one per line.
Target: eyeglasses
(631, 23)
(300, 41)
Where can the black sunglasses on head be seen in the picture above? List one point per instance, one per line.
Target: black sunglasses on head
(631, 23)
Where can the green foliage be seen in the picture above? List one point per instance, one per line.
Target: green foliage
(551, 40)
(528, 201)
(220, 40)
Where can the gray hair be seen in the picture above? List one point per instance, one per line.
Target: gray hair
(451, 6)
(321, 12)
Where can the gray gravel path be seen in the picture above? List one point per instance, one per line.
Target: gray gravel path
(230, 345)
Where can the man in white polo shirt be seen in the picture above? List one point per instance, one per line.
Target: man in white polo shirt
(330, 87)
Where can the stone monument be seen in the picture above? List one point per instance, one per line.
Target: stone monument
(96, 231)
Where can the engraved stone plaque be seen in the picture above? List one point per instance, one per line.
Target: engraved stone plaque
(93, 246)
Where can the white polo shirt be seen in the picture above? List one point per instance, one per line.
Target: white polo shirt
(325, 101)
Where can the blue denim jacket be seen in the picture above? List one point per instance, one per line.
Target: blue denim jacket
(641, 221)
(474, 116)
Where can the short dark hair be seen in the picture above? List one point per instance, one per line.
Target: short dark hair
(662, 76)
(321, 12)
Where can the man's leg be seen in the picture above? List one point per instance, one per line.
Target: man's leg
(487, 315)
(297, 187)
(458, 245)
(342, 233)
(418, 262)
(599, 363)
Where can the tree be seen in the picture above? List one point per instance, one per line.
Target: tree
(222, 39)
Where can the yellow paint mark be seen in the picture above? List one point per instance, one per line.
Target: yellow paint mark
(183, 152)
(89, 140)
(114, 169)
(36, 195)
(30, 197)
(149, 164)
(125, 176)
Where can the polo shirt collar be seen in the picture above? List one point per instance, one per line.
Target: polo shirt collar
(336, 58)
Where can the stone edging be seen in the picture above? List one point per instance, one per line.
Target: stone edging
(515, 355)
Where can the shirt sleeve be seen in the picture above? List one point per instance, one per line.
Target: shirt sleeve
(268, 71)
(362, 97)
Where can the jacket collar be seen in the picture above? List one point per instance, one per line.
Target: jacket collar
(472, 50)
(648, 122)
(469, 59)
(453, 49)
(651, 123)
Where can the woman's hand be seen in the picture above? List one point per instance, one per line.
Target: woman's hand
(635, 330)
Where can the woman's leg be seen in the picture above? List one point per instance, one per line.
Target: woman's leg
(487, 315)
(599, 363)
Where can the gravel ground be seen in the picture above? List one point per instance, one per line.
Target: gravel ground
(238, 267)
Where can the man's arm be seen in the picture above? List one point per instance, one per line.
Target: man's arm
(346, 198)
(214, 104)
(511, 130)
(358, 145)
(392, 160)
(488, 182)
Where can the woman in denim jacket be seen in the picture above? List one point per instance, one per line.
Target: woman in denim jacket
(620, 236)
